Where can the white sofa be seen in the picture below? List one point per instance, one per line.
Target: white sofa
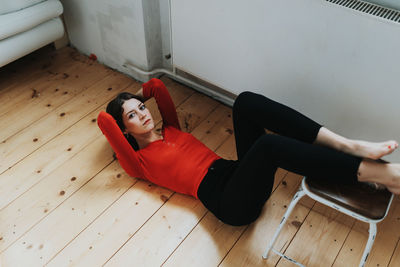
(27, 25)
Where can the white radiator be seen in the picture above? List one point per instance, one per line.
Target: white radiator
(337, 65)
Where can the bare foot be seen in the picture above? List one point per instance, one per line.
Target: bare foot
(394, 190)
(387, 174)
(393, 183)
(371, 150)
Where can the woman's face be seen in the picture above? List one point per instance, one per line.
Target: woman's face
(136, 117)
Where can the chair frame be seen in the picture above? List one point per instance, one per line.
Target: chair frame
(302, 191)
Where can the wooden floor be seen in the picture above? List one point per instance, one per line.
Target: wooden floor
(65, 201)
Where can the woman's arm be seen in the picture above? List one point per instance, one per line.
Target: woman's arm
(157, 89)
(126, 155)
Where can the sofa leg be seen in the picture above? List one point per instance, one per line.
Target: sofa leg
(63, 41)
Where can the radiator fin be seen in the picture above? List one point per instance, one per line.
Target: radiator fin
(369, 8)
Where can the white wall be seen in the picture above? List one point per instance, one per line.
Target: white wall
(394, 4)
(336, 65)
(120, 31)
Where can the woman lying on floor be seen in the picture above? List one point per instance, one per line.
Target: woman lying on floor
(236, 190)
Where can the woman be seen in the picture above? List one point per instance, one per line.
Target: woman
(236, 190)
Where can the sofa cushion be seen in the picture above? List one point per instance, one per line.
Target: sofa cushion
(8, 6)
(24, 43)
(25, 19)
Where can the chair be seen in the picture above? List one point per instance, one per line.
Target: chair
(358, 200)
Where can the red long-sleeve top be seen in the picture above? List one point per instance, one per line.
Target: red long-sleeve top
(178, 162)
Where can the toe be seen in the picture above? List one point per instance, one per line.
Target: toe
(392, 145)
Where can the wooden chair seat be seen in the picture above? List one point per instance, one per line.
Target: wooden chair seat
(360, 198)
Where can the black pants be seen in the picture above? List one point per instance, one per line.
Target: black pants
(236, 190)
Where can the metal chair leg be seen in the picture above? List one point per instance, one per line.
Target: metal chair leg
(300, 193)
(371, 239)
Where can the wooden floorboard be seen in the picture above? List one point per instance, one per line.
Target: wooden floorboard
(65, 201)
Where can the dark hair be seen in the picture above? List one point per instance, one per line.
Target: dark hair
(114, 108)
